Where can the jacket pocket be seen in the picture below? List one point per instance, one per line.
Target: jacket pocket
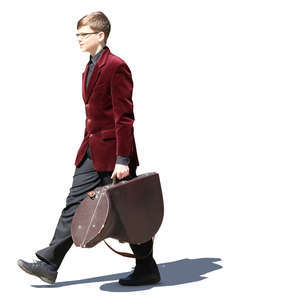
(108, 134)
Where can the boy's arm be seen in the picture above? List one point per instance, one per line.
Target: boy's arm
(121, 93)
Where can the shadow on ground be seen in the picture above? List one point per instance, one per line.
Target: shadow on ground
(172, 273)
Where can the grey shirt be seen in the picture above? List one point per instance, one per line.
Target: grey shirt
(124, 160)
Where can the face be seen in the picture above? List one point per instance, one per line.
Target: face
(92, 42)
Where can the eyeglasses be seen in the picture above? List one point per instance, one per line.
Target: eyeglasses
(84, 34)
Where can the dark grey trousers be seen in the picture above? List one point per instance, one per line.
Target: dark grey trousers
(85, 179)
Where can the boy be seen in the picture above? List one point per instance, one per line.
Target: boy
(107, 151)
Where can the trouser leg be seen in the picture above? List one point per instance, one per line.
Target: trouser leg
(85, 179)
(142, 250)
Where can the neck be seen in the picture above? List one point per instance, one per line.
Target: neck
(95, 51)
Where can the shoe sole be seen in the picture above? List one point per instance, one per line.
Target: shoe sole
(28, 272)
(139, 283)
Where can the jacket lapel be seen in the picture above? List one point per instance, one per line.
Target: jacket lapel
(84, 76)
(96, 72)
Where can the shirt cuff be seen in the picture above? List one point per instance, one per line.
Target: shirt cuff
(123, 160)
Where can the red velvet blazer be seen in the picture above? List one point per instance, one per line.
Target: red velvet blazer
(109, 113)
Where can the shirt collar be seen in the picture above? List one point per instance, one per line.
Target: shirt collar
(94, 59)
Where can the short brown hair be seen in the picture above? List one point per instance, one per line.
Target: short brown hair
(98, 21)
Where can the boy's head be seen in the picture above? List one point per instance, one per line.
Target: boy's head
(98, 27)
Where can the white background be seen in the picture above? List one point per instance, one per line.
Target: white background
(216, 103)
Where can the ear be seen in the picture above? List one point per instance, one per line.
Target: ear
(101, 36)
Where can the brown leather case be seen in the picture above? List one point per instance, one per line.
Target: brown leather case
(129, 211)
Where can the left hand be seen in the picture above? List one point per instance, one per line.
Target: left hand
(120, 171)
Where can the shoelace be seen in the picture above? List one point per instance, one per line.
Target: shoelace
(37, 263)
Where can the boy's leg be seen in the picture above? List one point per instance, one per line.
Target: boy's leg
(85, 179)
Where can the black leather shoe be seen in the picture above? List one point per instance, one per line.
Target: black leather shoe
(142, 274)
(40, 269)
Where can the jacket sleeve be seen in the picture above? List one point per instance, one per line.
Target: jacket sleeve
(121, 93)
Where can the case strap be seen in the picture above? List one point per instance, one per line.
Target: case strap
(129, 254)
